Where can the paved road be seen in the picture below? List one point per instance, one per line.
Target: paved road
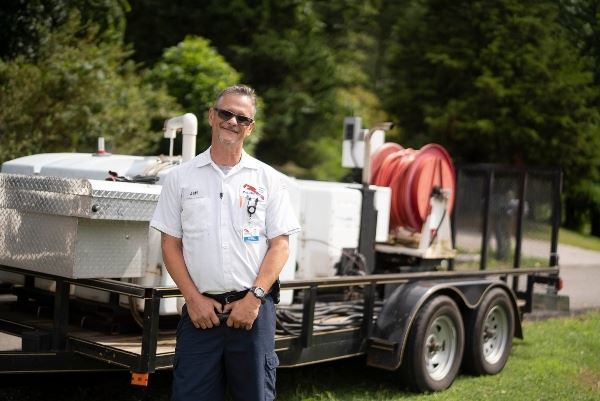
(581, 284)
(580, 271)
(572, 256)
(579, 268)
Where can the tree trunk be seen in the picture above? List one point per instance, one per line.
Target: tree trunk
(574, 214)
(595, 220)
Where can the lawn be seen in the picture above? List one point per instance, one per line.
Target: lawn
(569, 237)
(559, 359)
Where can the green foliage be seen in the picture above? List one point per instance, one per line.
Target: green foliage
(303, 59)
(26, 23)
(74, 91)
(557, 360)
(305, 63)
(298, 104)
(502, 81)
(575, 238)
(581, 19)
(195, 73)
(496, 82)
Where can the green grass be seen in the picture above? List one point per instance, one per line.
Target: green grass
(559, 359)
(574, 238)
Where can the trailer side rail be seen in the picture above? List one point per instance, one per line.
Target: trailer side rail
(153, 348)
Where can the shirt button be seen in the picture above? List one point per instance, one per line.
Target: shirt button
(225, 245)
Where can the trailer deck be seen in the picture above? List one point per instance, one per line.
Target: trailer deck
(56, 340)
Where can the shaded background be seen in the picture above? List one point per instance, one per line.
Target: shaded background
(502, 81)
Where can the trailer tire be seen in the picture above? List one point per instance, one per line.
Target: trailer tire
(490, 331)
(435, 346)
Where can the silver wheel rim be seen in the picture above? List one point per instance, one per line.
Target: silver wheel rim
(494, 334)
(440, 347)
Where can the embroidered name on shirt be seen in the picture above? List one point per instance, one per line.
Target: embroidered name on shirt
(192, 194)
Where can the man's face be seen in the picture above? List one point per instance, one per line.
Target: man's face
(231, 131)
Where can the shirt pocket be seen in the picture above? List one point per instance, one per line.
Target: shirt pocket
(195, 217)
(251, 216)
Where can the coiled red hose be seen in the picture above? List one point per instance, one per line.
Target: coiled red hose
(412, 174)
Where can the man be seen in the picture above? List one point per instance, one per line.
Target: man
(225, 219)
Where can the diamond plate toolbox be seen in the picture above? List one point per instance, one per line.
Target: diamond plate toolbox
(75, 228)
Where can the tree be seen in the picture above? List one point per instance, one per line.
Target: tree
(581, 19)
(24, 24)
(195, 73)
(299, 55)
(75, 89)
(495, 82)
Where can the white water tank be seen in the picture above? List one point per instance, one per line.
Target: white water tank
(330, 214)
(382, 202)
(81, 165)
(330, 220)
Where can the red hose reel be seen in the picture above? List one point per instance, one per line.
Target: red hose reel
(412, 174)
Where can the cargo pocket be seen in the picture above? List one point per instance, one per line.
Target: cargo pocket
(271, 363)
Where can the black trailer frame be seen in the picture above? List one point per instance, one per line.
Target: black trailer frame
(55, 344)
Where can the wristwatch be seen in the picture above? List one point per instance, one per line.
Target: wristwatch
(258, 293)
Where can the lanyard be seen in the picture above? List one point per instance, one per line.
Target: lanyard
(251, 209)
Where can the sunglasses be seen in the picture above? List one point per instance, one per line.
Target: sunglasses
(226, 115)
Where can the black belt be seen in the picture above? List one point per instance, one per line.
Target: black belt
(227, 297)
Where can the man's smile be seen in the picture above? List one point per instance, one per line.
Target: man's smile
(230, 129)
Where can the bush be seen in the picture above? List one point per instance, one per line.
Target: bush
(195, 73)
(76, 89)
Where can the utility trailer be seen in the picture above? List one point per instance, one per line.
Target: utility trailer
(425, 324)
(423, 327)
(417, 310)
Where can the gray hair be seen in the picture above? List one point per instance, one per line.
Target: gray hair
(242, 90)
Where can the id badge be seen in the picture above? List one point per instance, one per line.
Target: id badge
(250, 234)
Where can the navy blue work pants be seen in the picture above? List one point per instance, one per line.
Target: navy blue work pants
(211, 360)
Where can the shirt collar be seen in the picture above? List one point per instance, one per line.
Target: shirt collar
(204, 158)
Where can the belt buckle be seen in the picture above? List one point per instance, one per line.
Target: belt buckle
(226, 299)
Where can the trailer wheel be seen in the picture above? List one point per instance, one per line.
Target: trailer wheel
(435, 346)
(490, 330)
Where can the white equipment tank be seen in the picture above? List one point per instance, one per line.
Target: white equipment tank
(330, 220)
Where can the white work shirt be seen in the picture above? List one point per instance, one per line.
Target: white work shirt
(224, 221)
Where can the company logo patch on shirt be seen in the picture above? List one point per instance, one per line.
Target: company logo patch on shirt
(250, 191)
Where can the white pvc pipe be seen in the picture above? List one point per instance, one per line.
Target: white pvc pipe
(101, 148)
(188, 123)
(189, 131)
(366, 171)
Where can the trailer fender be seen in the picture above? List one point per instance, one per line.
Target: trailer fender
(388, 340)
